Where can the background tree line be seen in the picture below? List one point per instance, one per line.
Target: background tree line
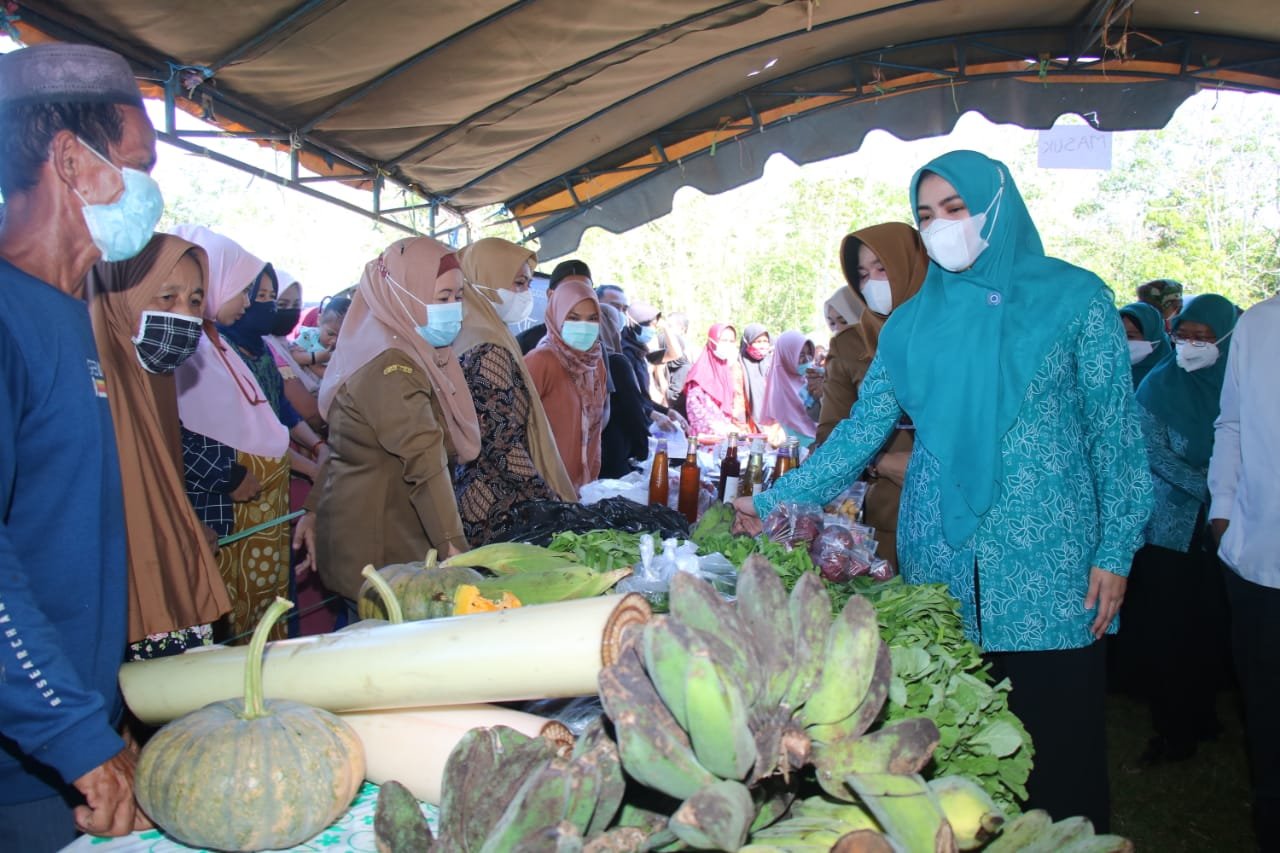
(1198, 201)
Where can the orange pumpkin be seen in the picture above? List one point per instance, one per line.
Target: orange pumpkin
(468, 599)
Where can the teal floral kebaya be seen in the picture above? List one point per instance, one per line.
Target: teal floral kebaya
(1029, 467)
(1178, 405)
(1075, 493)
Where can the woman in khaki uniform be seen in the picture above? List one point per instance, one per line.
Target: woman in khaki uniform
(400, 417)
(885, 266)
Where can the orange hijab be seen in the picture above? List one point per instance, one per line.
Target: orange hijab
(900, 249)
(173, 578)
(391, 301)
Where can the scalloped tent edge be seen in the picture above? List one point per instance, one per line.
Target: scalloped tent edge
(823, 135)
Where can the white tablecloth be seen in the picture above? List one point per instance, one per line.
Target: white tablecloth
(353, 831)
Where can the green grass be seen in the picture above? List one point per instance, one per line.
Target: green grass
(1201, 804)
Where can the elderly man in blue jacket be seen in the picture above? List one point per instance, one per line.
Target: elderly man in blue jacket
(75, 152)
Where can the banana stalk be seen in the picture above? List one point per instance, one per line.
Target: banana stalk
(546, 651)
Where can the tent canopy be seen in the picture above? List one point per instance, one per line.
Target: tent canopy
(575, 114)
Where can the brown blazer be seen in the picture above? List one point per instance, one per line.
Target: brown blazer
(847, 363)
(386, 495)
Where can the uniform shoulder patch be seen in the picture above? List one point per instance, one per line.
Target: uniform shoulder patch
(397, 368)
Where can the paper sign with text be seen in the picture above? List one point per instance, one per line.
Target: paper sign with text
(1075, 146)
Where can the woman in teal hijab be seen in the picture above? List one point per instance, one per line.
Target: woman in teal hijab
(1148, 343)
(1176, 612)
(1028, 488)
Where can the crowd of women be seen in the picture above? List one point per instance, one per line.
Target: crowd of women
(986, 389)
(1009, 457)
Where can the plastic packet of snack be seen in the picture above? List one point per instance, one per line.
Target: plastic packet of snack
(837, 556)
(858, 534)
(882, 570)
(849, 502)
(794, 525)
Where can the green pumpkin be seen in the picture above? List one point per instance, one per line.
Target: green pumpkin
(425, 590)
(250, 775)
(381, 592)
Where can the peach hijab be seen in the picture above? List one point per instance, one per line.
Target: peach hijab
(393, 299)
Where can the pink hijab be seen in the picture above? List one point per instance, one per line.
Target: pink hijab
(782, 387)
(390, 302)
(218, 395)
(713, 374)
(587, 370)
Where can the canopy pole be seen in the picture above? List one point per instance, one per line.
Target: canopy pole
(218, 157)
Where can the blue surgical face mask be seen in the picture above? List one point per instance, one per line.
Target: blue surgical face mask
(122, 228)
(580, 334)
(444, 321)
(644, 334)
(804, 366)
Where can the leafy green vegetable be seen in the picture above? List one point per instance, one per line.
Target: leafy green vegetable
(981, 738)
(716, 521)
(602, 550)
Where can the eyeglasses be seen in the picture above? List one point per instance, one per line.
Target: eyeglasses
(1195, 342)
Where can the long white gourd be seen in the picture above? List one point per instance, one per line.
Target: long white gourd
(546, 651)
(412, 745)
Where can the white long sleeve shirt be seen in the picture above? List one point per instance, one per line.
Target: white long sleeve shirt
(1244, 476)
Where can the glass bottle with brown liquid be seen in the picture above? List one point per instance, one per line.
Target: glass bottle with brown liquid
(730, 471)
(782, 465)
(659, 487)
(690, 484)
(752, 483)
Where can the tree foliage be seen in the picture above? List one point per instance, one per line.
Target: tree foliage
(1198, 201)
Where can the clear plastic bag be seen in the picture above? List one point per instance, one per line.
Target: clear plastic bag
(882, 570)
(833, 553)
(849, 502)
(794, 525)
(850, 534)
(652, 575)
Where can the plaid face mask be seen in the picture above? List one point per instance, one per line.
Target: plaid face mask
(165, 340)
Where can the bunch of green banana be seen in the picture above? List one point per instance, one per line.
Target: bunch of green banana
(715, 700)
(848, 697)
(504, 791)
(1035, 832)
(907, 810)
(814, 823)
(974, 816)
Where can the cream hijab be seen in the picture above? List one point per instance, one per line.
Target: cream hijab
(846, 305)
(494, 263)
